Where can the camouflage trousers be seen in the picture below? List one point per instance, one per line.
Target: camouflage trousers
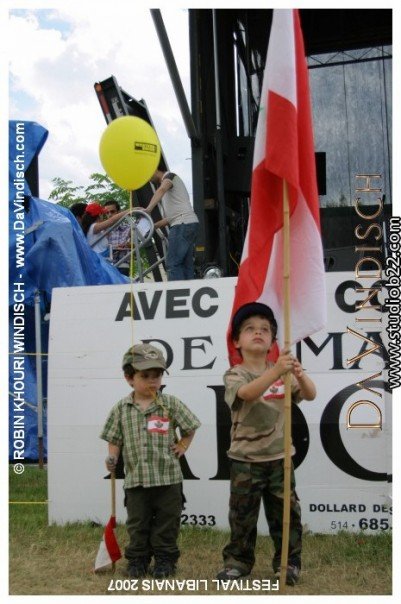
(251, 483)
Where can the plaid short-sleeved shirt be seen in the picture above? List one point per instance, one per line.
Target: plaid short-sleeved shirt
(146, 438)
(119, 236)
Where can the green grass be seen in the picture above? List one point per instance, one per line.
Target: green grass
(59, 559)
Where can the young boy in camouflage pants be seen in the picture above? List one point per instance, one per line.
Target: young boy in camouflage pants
(255, 394)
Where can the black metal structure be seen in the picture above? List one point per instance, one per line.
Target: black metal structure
(227, 59)
(224, 44)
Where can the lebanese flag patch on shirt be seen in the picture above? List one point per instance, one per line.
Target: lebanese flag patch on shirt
(276, 390)
(158, 424)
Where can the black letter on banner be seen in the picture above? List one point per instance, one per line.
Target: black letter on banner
(196, 298)
(300, 435)
(331, 437)
(188, 347)
(223, 424)
(149, 311)
(340, 295)
(354, 285)
(173, 300)
(337, 348)
(125, 308)
(186, 470)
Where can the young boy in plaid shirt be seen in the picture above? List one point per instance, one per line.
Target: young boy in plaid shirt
(143, 424)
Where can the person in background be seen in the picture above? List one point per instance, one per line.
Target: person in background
(119, 238)
(92, 225)
(78, 209)
(182, 221)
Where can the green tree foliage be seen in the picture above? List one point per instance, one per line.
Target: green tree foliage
(101, 189)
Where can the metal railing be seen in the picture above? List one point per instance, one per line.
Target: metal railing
(142, 232)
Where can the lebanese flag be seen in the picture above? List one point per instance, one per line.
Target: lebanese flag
(109, 550)
(284, 150)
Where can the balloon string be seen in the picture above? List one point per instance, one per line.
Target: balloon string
(131, 195)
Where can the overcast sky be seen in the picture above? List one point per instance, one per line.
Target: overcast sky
(56, 55)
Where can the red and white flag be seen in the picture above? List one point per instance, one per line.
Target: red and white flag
(109, 550)
(284, 150)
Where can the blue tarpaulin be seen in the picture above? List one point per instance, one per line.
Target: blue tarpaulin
(47, 249)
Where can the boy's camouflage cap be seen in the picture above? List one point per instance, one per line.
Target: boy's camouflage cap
(144, 356)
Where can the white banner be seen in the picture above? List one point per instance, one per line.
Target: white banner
(342, 470)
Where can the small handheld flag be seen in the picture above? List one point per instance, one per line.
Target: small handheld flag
(109, 551)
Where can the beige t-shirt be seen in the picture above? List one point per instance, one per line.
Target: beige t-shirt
(257, 431)
(175, 202)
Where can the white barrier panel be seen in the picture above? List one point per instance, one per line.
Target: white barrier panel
(342, 473)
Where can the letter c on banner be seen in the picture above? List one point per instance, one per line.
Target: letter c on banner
(300, 435)
(331, 436)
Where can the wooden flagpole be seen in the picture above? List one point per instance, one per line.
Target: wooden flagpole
(287, 389)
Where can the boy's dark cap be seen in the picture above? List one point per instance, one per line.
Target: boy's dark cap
(144, 356)
(249, 310)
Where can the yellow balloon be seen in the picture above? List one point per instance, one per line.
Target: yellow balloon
(129, 151)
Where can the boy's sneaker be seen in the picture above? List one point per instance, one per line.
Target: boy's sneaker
(230, 574)
(163, 568)
(138, 567)
(292, 576)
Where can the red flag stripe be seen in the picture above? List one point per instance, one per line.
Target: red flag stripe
(282, 141)
(111, 541)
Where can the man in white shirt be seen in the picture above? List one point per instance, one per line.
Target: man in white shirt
(182, 221)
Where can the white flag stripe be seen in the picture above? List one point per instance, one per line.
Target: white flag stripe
(306, 286)
(281, 56)
(103, 559)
